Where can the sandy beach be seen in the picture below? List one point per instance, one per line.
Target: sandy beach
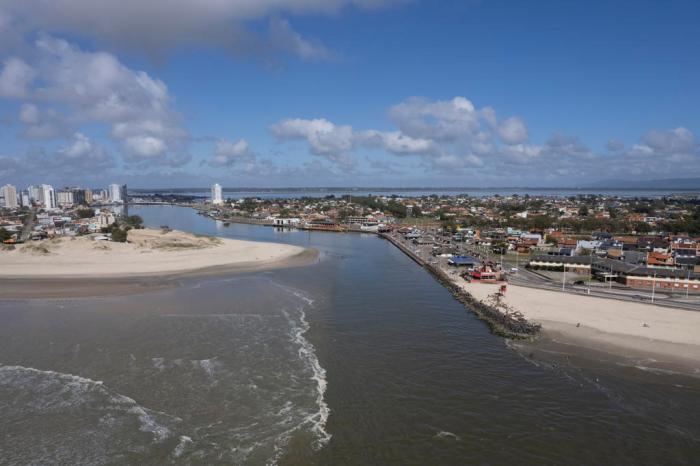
(151, 258)
(624, 328)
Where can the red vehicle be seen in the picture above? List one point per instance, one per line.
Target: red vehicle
(484, 275)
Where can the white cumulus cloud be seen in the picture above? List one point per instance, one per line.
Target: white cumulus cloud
(95, 87)
(513, 131)
(15, 78)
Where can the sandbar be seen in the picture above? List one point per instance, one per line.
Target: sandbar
(82, 266)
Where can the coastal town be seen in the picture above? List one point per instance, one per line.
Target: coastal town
(633, 247)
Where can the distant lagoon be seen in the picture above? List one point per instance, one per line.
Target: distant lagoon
(284, 193)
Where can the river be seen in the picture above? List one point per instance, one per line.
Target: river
(362, 358)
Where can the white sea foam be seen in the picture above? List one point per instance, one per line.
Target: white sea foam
(286, 409)
(73, 388)
(207, 365)
(158, 363)
(447, 435)
(307, 353)
(182, 446)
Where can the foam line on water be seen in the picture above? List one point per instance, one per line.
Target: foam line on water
(78, 385)
(307, 352)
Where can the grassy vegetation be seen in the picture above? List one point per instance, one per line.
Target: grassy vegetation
(36, 248)
(170, 245)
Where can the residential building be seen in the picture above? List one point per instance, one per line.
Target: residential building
(34, 193)
(47, 196)
(65, 198)
(117, 194)
(9, 194)
(216, 194)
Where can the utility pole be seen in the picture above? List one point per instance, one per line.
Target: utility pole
(687, 285)
(563, 280)
(653, 287)
(590, 273)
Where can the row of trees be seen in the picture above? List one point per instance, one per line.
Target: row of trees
(688, 224)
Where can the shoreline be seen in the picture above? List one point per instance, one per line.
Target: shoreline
(662, 337)
(152, 260)
(69, 287)
(500, 323)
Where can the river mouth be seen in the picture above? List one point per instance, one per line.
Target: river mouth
(380, 363)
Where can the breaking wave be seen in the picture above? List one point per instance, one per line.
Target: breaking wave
(58, 391)
(307, 353)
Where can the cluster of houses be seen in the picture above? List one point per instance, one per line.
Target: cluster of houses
(668, 263)
(306, 217)
(49, 225)
(54, 223)
(659, 262)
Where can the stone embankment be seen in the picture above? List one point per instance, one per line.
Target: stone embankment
(500, 320)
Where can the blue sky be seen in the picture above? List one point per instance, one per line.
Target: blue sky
(348, 93)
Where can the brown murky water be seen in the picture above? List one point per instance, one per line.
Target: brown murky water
(360, 359)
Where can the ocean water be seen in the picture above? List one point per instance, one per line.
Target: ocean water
(361, 358)
(218, 372)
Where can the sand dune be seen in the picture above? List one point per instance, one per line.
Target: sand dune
(148, 253)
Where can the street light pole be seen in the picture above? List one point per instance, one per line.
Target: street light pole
(653, 287)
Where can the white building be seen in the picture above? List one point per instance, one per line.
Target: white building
(65, 198)
(216, 194)
(47, 196)
(9, 193)
(34, 193)
(115, 194)
(105, 218)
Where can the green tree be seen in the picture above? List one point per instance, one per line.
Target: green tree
(85, 213)
(119, 235)
(134, 221)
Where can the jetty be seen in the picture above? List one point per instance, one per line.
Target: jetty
(502, 320)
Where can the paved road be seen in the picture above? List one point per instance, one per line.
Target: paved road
(525, 277)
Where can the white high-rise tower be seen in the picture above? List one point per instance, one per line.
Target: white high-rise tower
(115, 194)
(47, 196)
(216, 195)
